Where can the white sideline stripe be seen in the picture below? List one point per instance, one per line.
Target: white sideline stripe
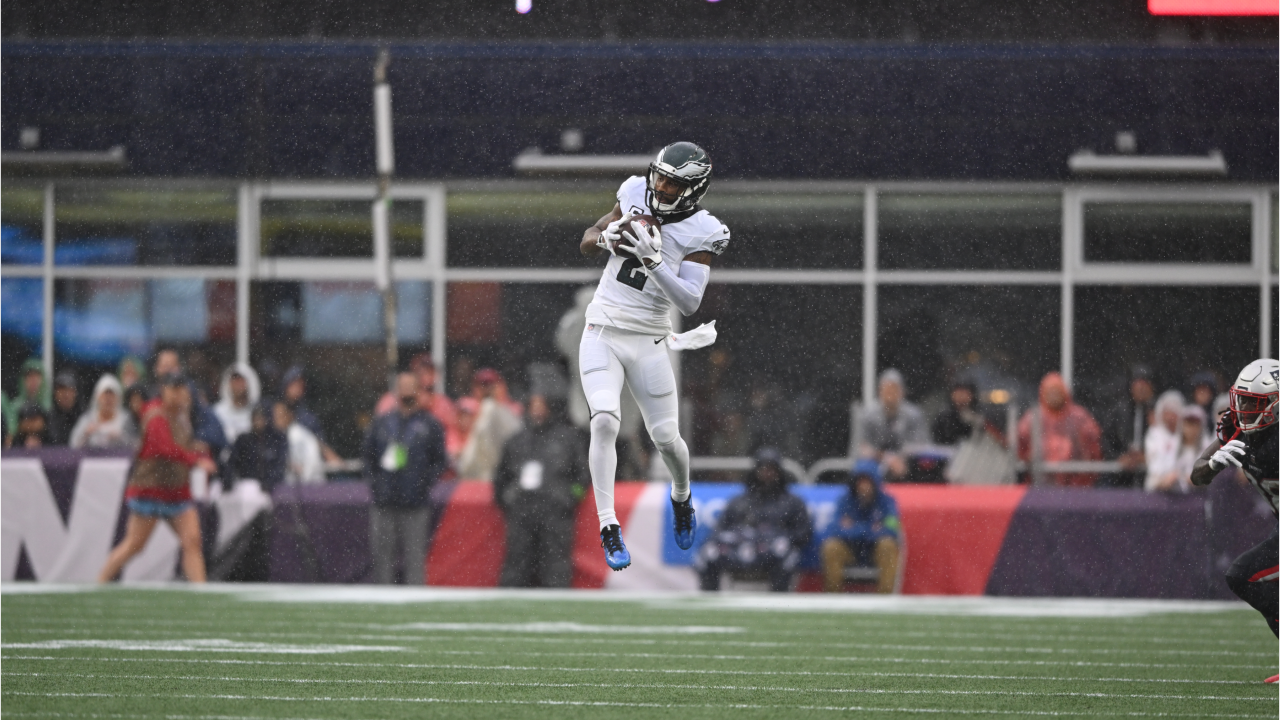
(757, 688)
(905, 661)
(686, 629)
(666, 671)
(202, 645)
(1009, 607)
(1211, 637)
(870, 624)
(569, 627)
(607, 703)
(556, 627)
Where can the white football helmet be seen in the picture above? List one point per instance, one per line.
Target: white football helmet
(1254, 395)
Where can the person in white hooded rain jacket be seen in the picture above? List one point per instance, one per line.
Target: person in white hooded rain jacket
(239, 393)
(106, 424)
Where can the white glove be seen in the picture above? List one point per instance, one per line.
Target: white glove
(612, 233)
(648, 244)
(1227, 454)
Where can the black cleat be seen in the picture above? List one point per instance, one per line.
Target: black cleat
(686, 522)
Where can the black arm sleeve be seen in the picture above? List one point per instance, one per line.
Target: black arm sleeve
(1201, 473)
(503, 475)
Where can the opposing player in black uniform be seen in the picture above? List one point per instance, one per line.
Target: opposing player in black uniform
(1247, 439)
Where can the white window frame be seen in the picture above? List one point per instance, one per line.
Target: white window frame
(432, 267)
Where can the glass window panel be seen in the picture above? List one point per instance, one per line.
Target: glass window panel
(1275, 309)
(783, 372)
(333, 330)
(21, 224)
(790, 231)
(1002, 338)
(1168, 232)
(523, 229)
(179, 310)
(1176, 331)
(145, 225)
(510, 327)
(337, 228)
(98, 322)
(351, 312)
(969, 232)
(1275, 234)
(21, 318)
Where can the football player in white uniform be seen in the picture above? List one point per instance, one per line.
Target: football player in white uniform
(651, 269)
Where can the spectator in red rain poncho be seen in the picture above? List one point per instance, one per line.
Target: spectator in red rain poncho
(1066, 432)
(158, 486)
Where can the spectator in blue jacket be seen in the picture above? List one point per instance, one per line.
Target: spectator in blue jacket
(403, 457)
(866, 531)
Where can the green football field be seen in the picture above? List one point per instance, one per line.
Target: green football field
(362, 652)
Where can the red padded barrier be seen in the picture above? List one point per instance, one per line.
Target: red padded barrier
(953, 534)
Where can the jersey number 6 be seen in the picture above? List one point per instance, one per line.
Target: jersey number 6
(632, 275)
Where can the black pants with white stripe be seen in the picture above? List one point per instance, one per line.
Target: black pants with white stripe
(1253, 577)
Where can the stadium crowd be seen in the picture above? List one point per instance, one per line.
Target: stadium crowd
(536, 457)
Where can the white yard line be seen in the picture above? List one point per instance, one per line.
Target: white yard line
(603, 703)
(317, 681)
(1003, 693)
(469, 627)
(895, 660)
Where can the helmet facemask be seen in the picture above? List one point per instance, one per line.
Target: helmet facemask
(1253, 411)
(681, 201)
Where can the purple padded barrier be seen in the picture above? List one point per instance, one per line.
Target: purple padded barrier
(1105, 543)
(1239, 518)
(320, 533)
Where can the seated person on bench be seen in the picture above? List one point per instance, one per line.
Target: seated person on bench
(866, 531)
(761, 533)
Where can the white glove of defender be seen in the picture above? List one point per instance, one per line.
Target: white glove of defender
(1227, 454)
(612, 234)
(648, 244)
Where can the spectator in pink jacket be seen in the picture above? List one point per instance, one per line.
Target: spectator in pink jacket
(1056, 430)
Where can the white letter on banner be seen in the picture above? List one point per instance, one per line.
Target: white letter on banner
(29, 517)
(95, 507)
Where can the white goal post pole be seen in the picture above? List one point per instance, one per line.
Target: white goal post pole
(384, 153)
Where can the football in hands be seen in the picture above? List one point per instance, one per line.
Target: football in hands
(628, 242)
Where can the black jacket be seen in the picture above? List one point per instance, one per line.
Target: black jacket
(261, 456)
(562, 451)
(770, 511)
(423, 440)
(61, 422)
(1124, 426)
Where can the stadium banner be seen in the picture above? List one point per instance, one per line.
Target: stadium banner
(61, 510)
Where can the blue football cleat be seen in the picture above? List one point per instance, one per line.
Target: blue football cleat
(686, 522)
(615, 551)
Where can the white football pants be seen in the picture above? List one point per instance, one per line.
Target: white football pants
(609, 357)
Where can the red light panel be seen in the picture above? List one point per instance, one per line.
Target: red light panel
(1213, 7)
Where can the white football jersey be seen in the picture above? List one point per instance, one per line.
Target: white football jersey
(626, 298)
